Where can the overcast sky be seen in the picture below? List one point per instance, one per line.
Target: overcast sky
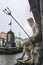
(20, 9)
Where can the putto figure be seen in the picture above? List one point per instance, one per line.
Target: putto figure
(32, 47)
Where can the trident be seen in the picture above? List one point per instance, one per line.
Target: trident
(8, 12)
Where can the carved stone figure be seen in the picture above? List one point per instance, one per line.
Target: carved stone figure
(33, 51)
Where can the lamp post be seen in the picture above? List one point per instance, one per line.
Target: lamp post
(8, 12)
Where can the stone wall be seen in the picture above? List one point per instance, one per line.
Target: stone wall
(42, 29)
(41, 18)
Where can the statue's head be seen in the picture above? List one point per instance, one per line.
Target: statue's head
(30, 21)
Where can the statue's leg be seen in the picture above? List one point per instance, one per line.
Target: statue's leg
(25, 50)
(23, 53)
